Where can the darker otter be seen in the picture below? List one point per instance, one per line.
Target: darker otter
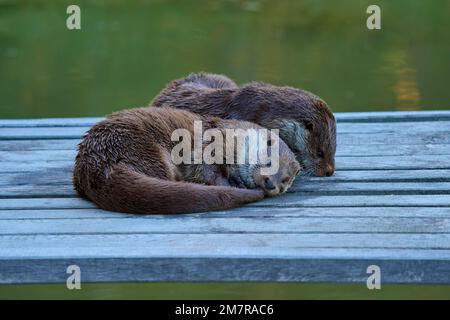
(124, 164)
(305, 121)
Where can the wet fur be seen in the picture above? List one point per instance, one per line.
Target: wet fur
(124, 164)
(305, 121)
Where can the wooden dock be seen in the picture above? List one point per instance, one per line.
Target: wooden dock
(388, 204)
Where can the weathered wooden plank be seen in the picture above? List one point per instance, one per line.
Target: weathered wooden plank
(35, 166)
(230, 225)
(307, 188)
(49, 122)
(37, 177)
(262, 213)
(367, 149)
(393, 162)
(387, 127)
(392, 139)
(434, 128)
(342, 163)
(45, 203)
(34, 178)
(70, 142)
(218, 243)
(289, 200)
(42, 133)
(394, 127)
(343, 151)
(424, 266)
(229, 245)
(63, 176)
(39, 144)
(356, 201)
(435, 115)
(384, 176)
(227, 257)
(355, 188)
(32, 214)
(41, 155)
(342, 138)
(389, 150)
(393, 116)
(30, 191)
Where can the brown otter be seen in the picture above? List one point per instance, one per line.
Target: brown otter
(250, 176)
(305, 121)
(124, 164)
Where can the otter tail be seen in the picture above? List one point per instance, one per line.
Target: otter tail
(129, 191)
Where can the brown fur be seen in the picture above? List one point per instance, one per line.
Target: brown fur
(251, 177)
(305, 121)
(124, 164)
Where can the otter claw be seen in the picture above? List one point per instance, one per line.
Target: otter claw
(236, 181)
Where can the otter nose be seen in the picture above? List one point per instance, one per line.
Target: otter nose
(268, 184)
(329, 172)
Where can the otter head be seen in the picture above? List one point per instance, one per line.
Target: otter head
(305, 121)
(314, 143)
(278, 173)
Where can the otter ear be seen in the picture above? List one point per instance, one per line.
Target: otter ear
(308, 125)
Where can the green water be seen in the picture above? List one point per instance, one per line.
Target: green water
(268, 291)
(127, 51)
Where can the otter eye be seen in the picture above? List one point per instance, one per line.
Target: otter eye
(320, 154)
(269, 164)
(308, 125)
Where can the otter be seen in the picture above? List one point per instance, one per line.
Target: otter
(305, 121)
(249, 175)
(124, 164)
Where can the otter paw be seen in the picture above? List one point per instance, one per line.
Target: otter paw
(236, 181)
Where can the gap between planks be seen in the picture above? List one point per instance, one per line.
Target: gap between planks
(287, 200)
